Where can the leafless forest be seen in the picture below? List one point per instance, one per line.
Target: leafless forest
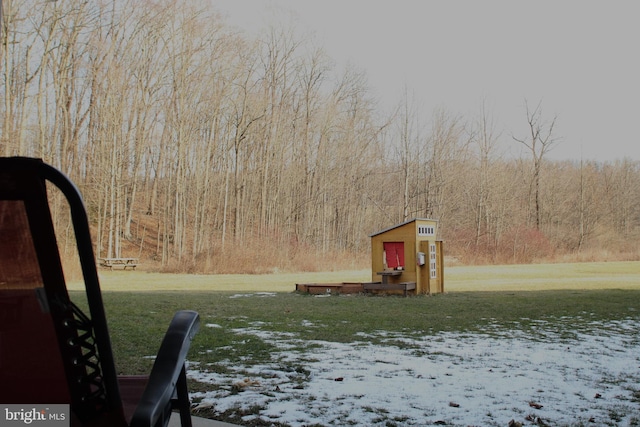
(201, 149)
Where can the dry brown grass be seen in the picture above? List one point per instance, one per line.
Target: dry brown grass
(532, 277)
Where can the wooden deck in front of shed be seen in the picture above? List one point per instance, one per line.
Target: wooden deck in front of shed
(405, 287)
(330, 288)
(355, 288)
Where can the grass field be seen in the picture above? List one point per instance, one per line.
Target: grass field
(531, 277)
(257, 328)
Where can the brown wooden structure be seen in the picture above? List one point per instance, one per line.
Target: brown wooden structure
(330, 288)
(408, 256)
(406, 259)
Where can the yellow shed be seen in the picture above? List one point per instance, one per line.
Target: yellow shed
(408, 256)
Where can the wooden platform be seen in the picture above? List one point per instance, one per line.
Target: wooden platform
(330, 288)
(354, 287)
(405, 287)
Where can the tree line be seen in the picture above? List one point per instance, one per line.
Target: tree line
(193, 143)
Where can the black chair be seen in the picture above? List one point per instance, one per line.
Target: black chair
(51, 352)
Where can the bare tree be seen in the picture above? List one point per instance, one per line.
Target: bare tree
(539, 141)
(621, 179)
(485, 138)
(409, 152)
(167, 118)
(446, 150)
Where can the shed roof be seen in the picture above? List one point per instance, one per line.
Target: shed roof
(401, 224)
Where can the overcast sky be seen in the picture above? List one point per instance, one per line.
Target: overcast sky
(580, 59)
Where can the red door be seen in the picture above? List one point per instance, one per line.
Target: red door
(394, 254)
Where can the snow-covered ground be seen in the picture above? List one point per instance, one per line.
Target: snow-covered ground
(545, 377)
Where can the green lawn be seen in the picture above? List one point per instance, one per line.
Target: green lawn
(572, 295)
(137, 320)
(496, 301)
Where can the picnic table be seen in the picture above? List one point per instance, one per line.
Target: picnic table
(123, 263)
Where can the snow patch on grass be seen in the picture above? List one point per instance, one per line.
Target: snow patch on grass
(542, 374)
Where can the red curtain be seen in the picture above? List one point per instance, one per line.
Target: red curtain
(394, 252)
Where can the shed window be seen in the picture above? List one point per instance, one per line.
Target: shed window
(425, 230)
(433, 261)
(394, 254)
